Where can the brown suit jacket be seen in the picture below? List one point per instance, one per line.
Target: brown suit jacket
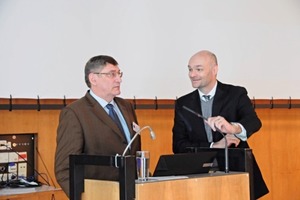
(85, 127)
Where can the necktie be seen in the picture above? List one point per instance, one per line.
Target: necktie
(206, 97)
(206, 107)
(114, 116)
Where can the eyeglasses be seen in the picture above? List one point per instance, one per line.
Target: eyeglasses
(110, 74)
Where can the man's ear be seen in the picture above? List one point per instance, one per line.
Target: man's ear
(92, 78)
(216, 69)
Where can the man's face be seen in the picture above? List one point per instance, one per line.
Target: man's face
(202, 72)
(106, 83)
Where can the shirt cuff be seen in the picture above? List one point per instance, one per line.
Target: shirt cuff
(242, 135)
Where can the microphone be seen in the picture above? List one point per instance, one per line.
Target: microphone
(226, 147)
(31, 183)
(152, 135)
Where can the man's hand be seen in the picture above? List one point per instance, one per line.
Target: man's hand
(231, 139)
(222, 125)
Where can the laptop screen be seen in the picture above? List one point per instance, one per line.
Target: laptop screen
(184, 164)
(239, 159)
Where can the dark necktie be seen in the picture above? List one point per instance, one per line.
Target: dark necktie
(206, 97)
(114, 116)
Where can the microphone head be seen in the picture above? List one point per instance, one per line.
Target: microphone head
(152, 134)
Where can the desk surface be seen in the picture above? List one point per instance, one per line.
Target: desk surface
(13, 191)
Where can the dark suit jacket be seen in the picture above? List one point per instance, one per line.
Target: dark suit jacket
(85, 127)
(230, 102)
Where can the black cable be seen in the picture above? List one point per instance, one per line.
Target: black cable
(9, 148)
(45, 166)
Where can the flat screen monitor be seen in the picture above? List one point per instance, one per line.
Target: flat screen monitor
(239, 159)
(184, 164)
(17, 156)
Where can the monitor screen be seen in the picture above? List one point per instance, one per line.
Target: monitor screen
(184, 164)
(239, 159)
(17, 156)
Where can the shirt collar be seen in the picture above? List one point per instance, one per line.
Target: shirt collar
(101, 101)
(211, 93)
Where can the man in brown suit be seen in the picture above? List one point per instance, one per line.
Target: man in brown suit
(85, 126)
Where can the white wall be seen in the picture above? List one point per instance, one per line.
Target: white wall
(44, 45)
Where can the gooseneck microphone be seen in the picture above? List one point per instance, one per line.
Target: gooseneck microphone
(226, 147)
(152, 135)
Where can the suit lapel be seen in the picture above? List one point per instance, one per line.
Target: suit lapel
(196, 103)
(217, 107)
(125, 114)
(200, 124)
(218, 100)
(103, 116)
(196, 106)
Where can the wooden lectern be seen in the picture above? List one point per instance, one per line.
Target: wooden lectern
(232, 186)
(240, 160)
(211, 186)
(127, 169)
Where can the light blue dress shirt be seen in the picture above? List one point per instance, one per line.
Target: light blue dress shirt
(103, 103)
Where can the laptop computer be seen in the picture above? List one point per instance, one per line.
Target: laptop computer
(240, 159)
(184, 164)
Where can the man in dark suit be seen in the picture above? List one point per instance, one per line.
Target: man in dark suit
(85, 126)
(227, 108)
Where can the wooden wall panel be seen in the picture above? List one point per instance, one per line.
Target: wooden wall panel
(18, 121)
(44, 123)
(47, 125)
(276, 145)
(161, 121)
(277, 150)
